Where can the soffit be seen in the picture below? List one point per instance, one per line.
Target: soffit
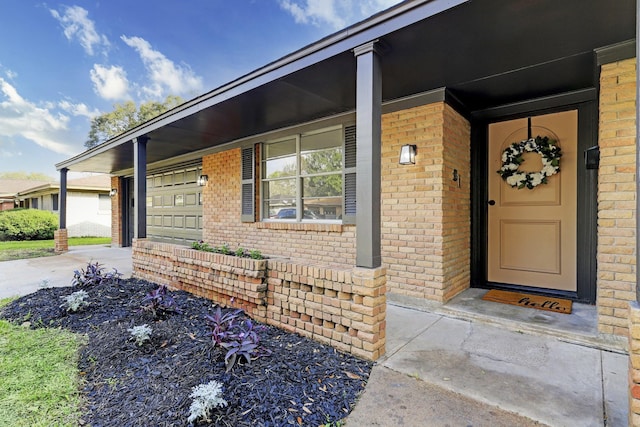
(486, 52)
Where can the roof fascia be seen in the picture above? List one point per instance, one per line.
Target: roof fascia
(616, 52)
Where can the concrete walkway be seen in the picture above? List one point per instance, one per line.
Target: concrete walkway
(22, 277)
(481, 374)
(440, 368)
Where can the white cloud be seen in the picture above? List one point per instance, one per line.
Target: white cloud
(77, 25)
(6, 154)
(336, 13)
(164, 76)
(11, 75)
(19, 117)
(110, 82)
(80, 109)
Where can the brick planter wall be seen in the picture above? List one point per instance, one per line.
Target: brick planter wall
(223, 277)
(342, 307)
(634, 364)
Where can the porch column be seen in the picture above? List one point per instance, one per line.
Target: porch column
(62, 208)
(60, 236)
(140, 187)
(368, 130)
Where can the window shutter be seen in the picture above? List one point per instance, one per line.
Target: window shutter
(247, 184)
(349, 182)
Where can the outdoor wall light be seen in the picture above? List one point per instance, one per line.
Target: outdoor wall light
(113, 192)
(202, 180)
(408, 155)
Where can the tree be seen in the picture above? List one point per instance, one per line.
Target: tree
(31, 176)
(126, 116)
(323, 161)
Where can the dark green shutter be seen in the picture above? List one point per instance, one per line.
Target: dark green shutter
(247, 183)
(349, 182)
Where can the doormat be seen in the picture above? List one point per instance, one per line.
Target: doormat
(557, 305)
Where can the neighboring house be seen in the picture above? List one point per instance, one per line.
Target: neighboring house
(10, 187)
(454, 83)
(88, 204)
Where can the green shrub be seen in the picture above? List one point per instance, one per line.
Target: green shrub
(27, 224)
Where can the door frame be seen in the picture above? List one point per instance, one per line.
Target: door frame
(585, 101)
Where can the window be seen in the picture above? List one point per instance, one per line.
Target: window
(55, 202)
(302, 177)
(34, 203)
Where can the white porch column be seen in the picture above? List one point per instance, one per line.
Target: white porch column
(368, 130)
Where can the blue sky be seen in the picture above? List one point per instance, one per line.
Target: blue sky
(62, 63)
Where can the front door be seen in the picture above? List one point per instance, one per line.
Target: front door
(532, 238)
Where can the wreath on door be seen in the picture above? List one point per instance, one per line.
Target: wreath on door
(512, 159)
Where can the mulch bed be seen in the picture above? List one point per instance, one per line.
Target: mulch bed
(302, 382)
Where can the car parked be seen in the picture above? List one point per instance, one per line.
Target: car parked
(290, 213)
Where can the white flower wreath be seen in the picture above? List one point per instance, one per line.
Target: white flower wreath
(512, 159)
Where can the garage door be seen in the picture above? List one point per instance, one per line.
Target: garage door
(174, 205)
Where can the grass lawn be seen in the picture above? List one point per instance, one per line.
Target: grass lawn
(39, 248)
(39, 377)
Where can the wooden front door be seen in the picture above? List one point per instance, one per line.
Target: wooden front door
(532, 232)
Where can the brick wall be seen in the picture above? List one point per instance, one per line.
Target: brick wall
(332, 244)
(616, 278)
(116, 213)
(425, 214)
(61, 240)
(344, 308)
(341, 307)
(154, 261)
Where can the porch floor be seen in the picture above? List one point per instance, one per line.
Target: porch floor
(579, 327)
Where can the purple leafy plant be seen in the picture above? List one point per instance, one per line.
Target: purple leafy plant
(160, 302)
(237, 335)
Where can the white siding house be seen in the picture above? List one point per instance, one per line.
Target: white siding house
(88, 204)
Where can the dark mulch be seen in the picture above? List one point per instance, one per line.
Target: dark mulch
(301, 383)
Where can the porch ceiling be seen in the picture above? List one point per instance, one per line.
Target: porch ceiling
(486, 52)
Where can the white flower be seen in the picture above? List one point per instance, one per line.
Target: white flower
(536, 179)
(516, 179)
